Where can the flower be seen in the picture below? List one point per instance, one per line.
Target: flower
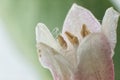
(84, 49)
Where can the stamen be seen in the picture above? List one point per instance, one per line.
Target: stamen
(62, 42)
(55, 32)
(84, 31)
(73, 39)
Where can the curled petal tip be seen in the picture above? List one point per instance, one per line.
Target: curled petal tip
(38, 29)
(113, 10)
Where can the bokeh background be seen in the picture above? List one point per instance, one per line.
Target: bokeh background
(18, 18)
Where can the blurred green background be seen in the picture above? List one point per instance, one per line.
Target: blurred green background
(21, 17)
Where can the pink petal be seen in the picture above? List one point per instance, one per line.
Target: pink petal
(109, 26)
(76, 17)
(94, 59)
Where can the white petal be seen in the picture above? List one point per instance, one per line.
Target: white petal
(55, 62)
(76, 17)
(43, 35)
(94, 59)
(109, 25)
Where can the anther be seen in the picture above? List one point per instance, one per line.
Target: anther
(62, 42)
(84, 31)
(73, 39)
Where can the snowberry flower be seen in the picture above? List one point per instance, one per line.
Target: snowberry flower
(83, 50)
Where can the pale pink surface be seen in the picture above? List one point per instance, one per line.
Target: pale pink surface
(94, 62)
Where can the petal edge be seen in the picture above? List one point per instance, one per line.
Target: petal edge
(43, 35)
(109, 26)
